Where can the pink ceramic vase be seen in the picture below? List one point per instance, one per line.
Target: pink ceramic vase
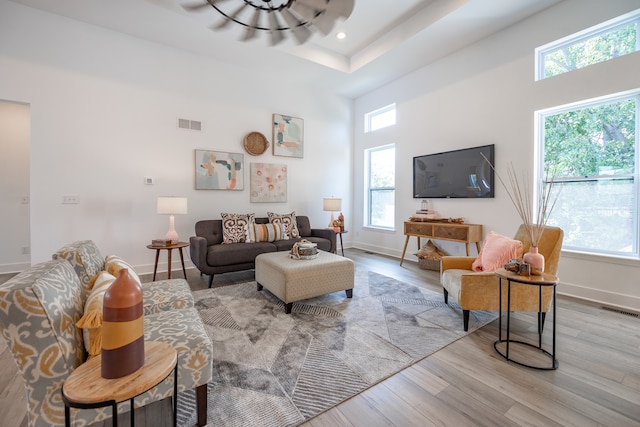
(535, 260)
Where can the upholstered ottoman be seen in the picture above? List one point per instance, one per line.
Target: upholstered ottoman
(297, 279)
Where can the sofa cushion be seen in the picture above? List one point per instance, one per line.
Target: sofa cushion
(265, 233)
(85, 258)
(166, 295)
(304, 226)
(237, 253)
(234, 226)
(496, 251)
(185, 331)
(288, 221)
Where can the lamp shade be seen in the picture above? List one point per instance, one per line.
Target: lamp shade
(331, 204)
(172, 205)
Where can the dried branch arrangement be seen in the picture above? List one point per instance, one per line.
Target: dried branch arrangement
(521, 195)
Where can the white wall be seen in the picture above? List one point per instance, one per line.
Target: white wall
(103, 117)
(486, 94)
(14, 186)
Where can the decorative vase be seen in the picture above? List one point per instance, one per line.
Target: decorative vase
(122, 327)
(535, 260)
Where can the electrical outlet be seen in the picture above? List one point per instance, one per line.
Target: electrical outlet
(70, 199)
(26, 250)
(148, 181)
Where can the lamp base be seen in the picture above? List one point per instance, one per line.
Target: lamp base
(171, 234)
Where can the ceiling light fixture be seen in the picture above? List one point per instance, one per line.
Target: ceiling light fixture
(277, 17)
(341, 35)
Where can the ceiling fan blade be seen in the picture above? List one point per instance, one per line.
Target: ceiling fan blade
(306, 12)
(276, 34)
(234, 15)
(314, 4)
(342, 8)
(250, 33)
(300, 31)
(197, 6)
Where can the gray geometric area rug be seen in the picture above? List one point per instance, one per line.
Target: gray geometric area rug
(277, 369)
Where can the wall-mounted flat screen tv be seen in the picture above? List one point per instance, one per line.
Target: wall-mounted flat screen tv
(454, 174)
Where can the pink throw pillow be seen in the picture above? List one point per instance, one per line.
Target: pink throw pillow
(496, 251)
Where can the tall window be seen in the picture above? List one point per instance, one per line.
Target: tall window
(381, 178)
(380, 118)
(593, 149)
(608, 40)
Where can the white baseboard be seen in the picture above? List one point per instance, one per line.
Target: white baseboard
(610, 299)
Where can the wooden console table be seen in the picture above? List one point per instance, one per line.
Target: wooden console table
(462, 233)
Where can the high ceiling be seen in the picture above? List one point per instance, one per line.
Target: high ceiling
(386, 39)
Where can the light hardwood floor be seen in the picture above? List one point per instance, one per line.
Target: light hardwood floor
(466, 383)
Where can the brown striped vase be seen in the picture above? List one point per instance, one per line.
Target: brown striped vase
(122, 327)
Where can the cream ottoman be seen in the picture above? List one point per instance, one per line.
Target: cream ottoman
(297, 279)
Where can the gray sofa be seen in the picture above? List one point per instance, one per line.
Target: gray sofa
(211, 256)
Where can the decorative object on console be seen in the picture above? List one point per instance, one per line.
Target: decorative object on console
(122, 327)
(534, 221)
(429, 256)
(219, 170)
(331, 204)
(268, 182)
(277, 18)
(288, 136)
(172, 206)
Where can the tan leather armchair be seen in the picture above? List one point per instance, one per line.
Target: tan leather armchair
(481, 290)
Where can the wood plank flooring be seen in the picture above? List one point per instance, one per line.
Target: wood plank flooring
(467, 383)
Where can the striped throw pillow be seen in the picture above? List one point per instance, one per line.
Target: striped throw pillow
(265, 233)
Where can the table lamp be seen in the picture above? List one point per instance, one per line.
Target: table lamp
(172, 206)
(331, 204)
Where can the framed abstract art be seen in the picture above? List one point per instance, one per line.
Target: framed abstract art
(218, 170)
(288, 136)
(268, 182)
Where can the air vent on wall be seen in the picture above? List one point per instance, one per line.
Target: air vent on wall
(189, 124)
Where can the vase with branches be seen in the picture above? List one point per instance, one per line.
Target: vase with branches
(534, 216)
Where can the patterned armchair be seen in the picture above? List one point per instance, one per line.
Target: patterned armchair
(39, 309)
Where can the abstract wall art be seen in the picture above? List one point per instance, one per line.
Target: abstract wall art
(268, 182)
(288, 136)
(217, 170)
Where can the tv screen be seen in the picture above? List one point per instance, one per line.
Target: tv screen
(454, 174)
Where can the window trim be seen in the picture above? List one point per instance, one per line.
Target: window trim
(368, 189)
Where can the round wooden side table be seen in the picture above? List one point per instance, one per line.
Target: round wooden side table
(169, 248)
(85, 388)
(541, 281)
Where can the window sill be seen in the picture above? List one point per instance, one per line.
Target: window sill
(604, 258)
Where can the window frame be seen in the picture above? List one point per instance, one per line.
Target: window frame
(582, 36)
(540, 117)
(372, 115)
(369, 189)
